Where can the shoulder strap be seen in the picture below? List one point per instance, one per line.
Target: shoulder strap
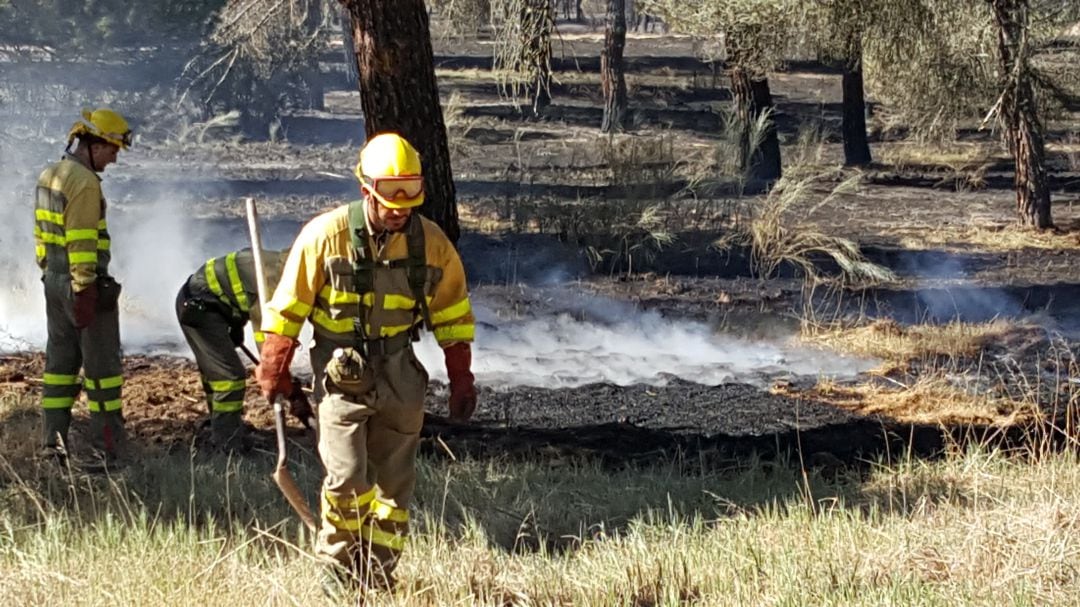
(364, 262)
(417, 266)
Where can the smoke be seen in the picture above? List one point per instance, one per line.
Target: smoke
(155, 247)
(568, 350)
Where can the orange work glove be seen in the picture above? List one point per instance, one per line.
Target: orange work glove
(462, 387)
(85, 306)
(273, 370)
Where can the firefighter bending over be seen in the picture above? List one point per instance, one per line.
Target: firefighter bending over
(213, 306)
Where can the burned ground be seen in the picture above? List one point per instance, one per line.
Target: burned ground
(940, 221)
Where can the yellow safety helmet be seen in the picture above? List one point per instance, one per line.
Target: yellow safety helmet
(104, 124)
(389, 169)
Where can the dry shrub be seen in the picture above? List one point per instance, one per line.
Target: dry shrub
(776, 238)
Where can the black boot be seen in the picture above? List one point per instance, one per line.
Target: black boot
(55, 426)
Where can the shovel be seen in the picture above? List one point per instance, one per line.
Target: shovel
(282, 477)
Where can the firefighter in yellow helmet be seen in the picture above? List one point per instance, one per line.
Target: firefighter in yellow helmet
(369, 275)
(73, 250)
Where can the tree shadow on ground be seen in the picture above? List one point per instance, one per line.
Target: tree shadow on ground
(689, 463)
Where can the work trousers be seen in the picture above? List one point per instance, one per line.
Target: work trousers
(207, 331)
(94, 349)
(369, 429)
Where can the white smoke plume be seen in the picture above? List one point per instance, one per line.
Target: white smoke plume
(562, 351)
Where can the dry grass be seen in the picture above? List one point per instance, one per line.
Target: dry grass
(943, 374)
(975, 528)
(998, 238)
(955, 155)
(777, 236)
(930, 399)
(888, 340)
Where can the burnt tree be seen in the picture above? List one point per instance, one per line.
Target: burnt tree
(759, 159)
(613, 80)
(398, 93)
(1019, 114)
(853, 124)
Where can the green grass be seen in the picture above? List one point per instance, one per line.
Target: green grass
(975, 528)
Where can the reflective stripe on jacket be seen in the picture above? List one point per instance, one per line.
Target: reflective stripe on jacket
(230, 281)
(317, 283)
(70, 231)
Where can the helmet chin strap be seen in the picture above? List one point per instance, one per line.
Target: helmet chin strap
(90, 154)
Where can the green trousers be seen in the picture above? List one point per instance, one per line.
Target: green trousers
(96, 351)
(369, 429)
(207, 331)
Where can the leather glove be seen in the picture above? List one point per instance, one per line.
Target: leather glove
(85, 306)
(299, 406)
(462, 384)
(272, 374)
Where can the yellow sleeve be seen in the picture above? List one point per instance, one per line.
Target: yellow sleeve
(301, 278)
(82, 218)
(451, 312)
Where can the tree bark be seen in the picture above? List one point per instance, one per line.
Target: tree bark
(1019, 115)
(352, 70)
(856, 145)
(538, 22)
(398, 93)
(761, 163)
(613, 79)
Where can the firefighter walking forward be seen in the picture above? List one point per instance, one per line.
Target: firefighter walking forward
(369, 276)
(73, 248)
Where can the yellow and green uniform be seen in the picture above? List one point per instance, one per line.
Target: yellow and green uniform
(213, 306)
(73, 250)
(369, 295)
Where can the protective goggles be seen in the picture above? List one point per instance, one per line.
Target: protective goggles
(396, 191)
(120, 139)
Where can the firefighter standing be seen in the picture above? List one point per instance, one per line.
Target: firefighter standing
(72, 246)
(369, 275)
(213, 306)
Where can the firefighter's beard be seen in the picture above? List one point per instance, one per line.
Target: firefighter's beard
(383, 219)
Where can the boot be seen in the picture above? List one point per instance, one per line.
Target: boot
(107, 435)
(228, 432)
(55, 433)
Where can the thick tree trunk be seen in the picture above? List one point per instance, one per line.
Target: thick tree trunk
(613, 79)
(352, 71)
(398, 93)
(1020, 116)
(761, 163)
(856, 145)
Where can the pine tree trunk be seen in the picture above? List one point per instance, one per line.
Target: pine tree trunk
(352, 71)
(398, 93)
(1020, 117)
(752, 98)
(613, 79)
(856, 145)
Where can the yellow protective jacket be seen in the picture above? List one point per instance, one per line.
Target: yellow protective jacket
(317, 283)
(229, 283)
(70, 232)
